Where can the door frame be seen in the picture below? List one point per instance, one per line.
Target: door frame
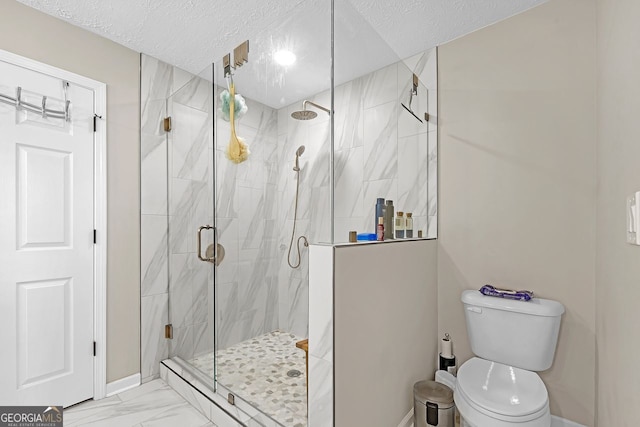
(99, 207)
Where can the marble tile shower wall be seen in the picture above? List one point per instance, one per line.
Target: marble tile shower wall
(313, 215)
(247, 220)
(176, 189)
(158, 81)
(181, 202)
(381, 150)
(257, 290)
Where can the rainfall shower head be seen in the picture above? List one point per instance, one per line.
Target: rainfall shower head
(299, 152)
(305, 114)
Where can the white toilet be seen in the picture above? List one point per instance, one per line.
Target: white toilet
(513, 340)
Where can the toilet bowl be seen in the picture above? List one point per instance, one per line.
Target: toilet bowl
(513, 340)
(490, 394)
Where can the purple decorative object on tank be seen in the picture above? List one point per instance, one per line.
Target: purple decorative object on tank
(491, 291)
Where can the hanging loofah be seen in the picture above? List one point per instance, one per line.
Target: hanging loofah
(237, 150)
(239, 102)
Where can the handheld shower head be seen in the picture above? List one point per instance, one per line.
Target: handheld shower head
(299, 152)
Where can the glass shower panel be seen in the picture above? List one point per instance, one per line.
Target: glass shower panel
(413, 148)
(382, 147)
(190, 207)
(269, 207)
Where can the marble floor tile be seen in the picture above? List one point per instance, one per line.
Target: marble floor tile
(152, 404)
(75, 414)
(256, 370)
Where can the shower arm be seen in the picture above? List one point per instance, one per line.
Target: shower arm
(320, 107)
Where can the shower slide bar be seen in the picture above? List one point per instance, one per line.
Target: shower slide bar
(38, 109)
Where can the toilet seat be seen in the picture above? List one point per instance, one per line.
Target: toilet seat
(502, 393)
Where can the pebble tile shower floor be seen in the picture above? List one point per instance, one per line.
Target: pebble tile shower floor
(256, 371)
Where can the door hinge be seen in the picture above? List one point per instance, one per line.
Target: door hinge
(95, 122)
(167, 124)
(95, 236)
(94, 348)
(168, 331)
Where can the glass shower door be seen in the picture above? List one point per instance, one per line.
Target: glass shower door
(269, 206)
(257, 360)
(191, 237)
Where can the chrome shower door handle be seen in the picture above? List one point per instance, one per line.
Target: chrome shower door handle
(200, 257)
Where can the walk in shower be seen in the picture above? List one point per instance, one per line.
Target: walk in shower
(228, 282)
(261, 300)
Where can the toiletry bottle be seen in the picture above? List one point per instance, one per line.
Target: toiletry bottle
(400, 226)
(409, 226)
(388, 220)
(380, 230)
(379, 212)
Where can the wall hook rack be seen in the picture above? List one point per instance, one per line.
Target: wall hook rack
(240, 57)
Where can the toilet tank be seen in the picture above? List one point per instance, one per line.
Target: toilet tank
(523, 334)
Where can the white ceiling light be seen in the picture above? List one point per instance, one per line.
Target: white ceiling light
(284, 57)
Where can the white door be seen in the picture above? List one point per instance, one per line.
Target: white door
(46, 244)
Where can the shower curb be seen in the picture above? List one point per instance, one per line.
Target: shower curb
(210, 404)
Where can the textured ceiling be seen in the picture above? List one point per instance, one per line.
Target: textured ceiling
(369, 33)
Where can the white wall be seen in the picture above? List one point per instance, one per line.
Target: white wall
(518, 181)
(618, 264)
(43, 38)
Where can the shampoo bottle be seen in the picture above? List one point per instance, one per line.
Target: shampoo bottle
(409, 226)
(379, 212)
(389, 216)
(400, 226)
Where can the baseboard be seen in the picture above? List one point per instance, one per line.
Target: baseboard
(123, 384)
(561, 422)
(407, 421)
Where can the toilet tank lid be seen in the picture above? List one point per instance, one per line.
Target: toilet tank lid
(535, 306)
